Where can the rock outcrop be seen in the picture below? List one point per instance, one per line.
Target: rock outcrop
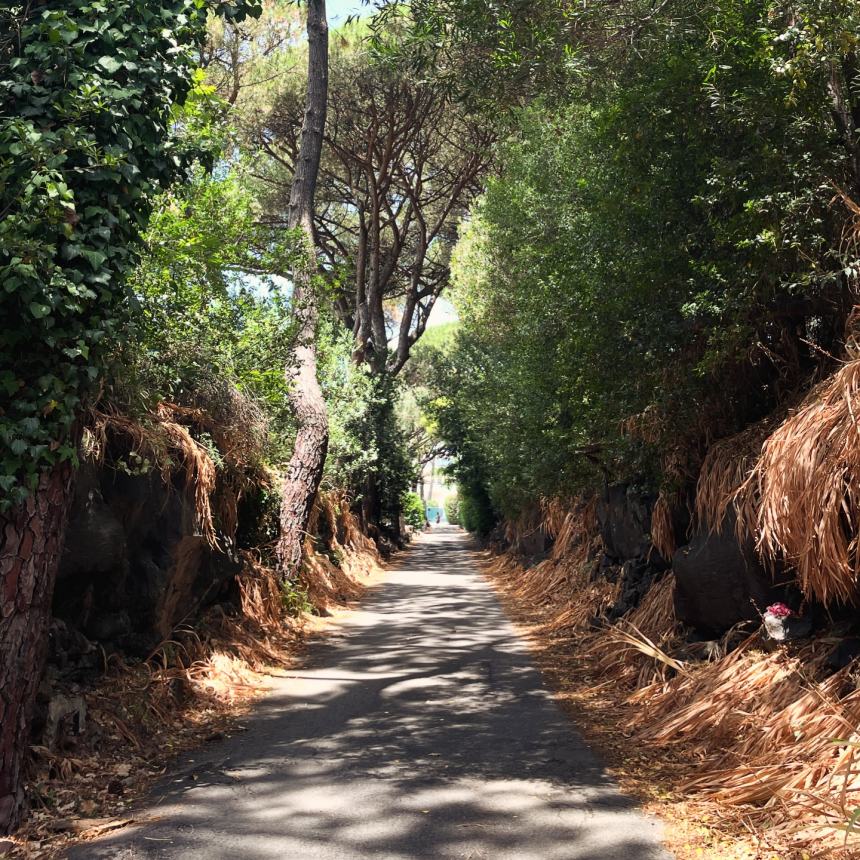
(135, 562)
(719, 581)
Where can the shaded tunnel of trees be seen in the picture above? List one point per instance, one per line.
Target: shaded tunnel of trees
(585, 257)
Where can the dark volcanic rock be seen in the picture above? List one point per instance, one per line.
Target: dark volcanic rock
(719, 582)
(96, 538)
(71, 656)
(624, 515)
(637, 576)
(134, 563)
(534, 546)
(66, 718)
(846, 652)
(787, 629)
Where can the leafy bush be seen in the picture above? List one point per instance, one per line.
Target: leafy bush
(211, 316)
(452, 510)
(476, 511)
(659, 259)
(413, 510)
(202, 322)
(295, 599)
(89, 134)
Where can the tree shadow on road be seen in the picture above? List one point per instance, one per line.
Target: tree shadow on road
(421, 730)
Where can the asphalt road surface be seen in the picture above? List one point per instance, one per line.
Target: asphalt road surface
(418, 729)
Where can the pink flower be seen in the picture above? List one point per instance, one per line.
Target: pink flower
(779, 610)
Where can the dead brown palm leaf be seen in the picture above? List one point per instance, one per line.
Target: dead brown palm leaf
(807, 487)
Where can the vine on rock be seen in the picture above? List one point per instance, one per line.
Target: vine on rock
(87, 96)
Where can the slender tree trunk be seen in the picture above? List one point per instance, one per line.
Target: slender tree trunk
(432, 479)
(31, 540)
(306, 465)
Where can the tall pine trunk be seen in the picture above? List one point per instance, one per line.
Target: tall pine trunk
(306, 465)
(31, 540)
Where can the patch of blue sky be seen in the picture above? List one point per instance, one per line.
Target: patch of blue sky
(443, 312)
(261, 286)
(339, 10)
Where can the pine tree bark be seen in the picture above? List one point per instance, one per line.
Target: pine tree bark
(305, 470)
(31, 541)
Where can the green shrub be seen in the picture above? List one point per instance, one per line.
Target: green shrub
(476, 510)
(452, 510)
(295, 598)
(413, 510)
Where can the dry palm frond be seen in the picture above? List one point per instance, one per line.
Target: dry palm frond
(626, 633)
(565, 520)
(851, 229)
(662, 527)
(327, 583)
(771, 739)
(654, 619)
(582, 527)
(199, 474)
(807, 489)
(582, 610)
(334, 578)
(553, 516)
(655, 615)
(166, 445)
(260, 592)
(347, 529)
(329, 508)
(726, 467)
(523, 527)
(227, 505)
(343, 525)
(764, 732)
(648, 425)
(163, 441)
(234, 420)
(562, 583)
(145, 439)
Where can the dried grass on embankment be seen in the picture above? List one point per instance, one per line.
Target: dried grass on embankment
(194, 688)
(745, 754)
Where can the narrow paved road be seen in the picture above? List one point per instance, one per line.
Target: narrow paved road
(420, 729)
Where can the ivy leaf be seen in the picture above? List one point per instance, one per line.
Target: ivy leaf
(39, 310)
(9, 382)
(81, 157)
(94, 258)
(110, 64)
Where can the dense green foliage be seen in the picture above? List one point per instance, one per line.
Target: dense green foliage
(392, 470)
(475, 512)
(664, 253)
(211, 316)
(87, 93)
(663, 256)
(136, 249)
(200, 310)
(413, 511)
(212, 329)
(452, 510)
